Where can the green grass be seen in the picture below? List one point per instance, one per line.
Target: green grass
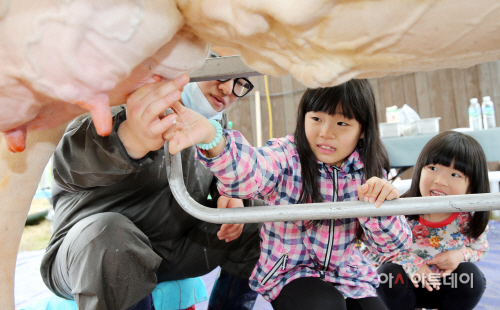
(36, 237)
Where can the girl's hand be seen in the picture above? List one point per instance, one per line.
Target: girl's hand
(190, 129)
(425, 276)
(447, 261)
(229, 232)
(376, 190)
(142, 131)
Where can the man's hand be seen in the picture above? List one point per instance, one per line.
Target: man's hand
(428, 278)
(146, 123)
(376, 190)
(229, 232)
(447, 261)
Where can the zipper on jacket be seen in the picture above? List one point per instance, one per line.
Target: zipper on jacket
(336, 183)
(329, 246)
(331, 227)
(280, 263)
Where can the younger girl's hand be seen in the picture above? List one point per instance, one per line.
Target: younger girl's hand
(425, 276)
(229, 232)
(376, 190)
(447, 261)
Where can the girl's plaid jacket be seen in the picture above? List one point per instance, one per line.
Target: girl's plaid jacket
(294, 249)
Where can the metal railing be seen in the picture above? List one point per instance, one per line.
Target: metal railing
(233, 66)
(317, 211)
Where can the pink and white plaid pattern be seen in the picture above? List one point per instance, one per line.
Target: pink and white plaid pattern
(290, 250)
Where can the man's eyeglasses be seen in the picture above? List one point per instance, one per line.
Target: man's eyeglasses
(241, 86)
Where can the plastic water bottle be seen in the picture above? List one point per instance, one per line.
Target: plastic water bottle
(488, 113)
(475, 122)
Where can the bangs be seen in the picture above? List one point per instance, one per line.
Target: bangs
(452, 151)
(333, 101)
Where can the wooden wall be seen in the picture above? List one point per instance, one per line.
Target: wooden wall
(441, 93)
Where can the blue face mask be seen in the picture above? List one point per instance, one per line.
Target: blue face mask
(193, 98)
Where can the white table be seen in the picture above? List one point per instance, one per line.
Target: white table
(404, 151)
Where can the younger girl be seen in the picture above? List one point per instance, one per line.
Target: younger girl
(445, 245)
(335, 149)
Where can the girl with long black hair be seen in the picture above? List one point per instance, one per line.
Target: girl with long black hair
(335, 155)
(439, 270)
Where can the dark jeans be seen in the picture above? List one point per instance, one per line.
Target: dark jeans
(316, 294)
(106, 262)
(461, 290)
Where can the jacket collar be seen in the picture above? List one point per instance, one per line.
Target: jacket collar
(351, 165)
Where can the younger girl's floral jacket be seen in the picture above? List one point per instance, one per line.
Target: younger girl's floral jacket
(431, 238)
(293, 249)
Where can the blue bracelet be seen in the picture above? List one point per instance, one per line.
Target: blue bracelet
(216, 140)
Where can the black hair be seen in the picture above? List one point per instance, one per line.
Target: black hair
(468, 157)
(355, 99)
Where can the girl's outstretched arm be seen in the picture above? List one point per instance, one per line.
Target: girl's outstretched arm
(243, 171)
(190, 128)
(253, 173)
